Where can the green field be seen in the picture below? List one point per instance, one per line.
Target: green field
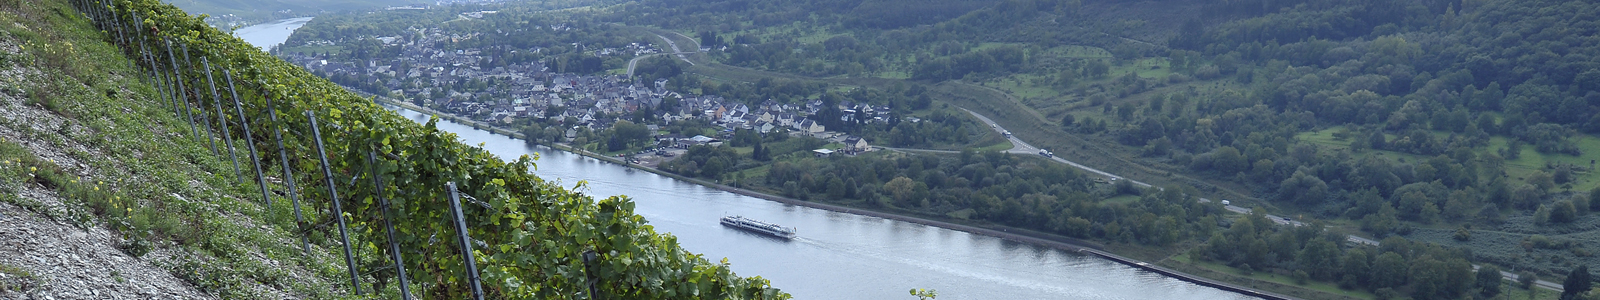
(1320, 286)
(1076, 51)
(1123, 199)
(1002, 146)
(1530, 160)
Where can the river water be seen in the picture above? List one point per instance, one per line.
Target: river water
(268, 35)
(837, 255)
(840, 255)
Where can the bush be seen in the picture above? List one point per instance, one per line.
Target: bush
(1462, 234)
(1386, 293)
(1526, 279)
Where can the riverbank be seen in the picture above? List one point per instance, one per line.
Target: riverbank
(1012, 234)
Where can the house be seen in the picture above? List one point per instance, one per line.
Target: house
(810, 127)
(734, 116)
(701, 139)
(786, 119)
(765, 127)
(769, 105)
(856, 144)
(822, 152)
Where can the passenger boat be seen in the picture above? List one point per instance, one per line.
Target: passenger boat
(758, 227)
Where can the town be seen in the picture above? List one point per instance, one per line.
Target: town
(531, 93)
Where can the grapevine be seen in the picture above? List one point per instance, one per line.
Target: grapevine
(529, 235)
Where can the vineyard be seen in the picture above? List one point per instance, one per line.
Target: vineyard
(436, 219)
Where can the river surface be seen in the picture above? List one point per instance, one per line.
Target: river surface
(837, 255)
(840, 255)
(268, 35)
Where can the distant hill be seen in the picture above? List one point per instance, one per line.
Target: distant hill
(256, 11)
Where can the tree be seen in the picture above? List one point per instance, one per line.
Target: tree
(1376, 140)
(1097, 68)
(1577, 283)
(1594, 200)
(1227, 160)
(1526, 279)
(1390, 270)
(901, 188)
(836, 187)
(1303, 188)
(1321, 257)
(1563, 212)
(631, 134)
(1488, 281)
(1355, 269)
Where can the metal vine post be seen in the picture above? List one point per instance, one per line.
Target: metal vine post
(200, 103)
(466, 241)
(222, 120)
(181, 96)
(333, 194)
(288, 173)
(377, 188)
(244, 123)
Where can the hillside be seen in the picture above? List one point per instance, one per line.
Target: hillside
(103, 195)
(226, 13)
(118, 155)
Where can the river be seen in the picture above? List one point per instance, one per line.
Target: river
(837, 255)
(840, 255)
(268, 35)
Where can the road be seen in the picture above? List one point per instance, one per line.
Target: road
(675, 50)
(635, 61)
(1018, 146)
(1021, 147)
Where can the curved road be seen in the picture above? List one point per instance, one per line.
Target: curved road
(675, 50)
(1022, 147)
(635, 61)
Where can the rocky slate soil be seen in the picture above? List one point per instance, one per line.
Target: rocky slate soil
(44, 258)
(67, 262)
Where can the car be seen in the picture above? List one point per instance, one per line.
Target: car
(1225, 202)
